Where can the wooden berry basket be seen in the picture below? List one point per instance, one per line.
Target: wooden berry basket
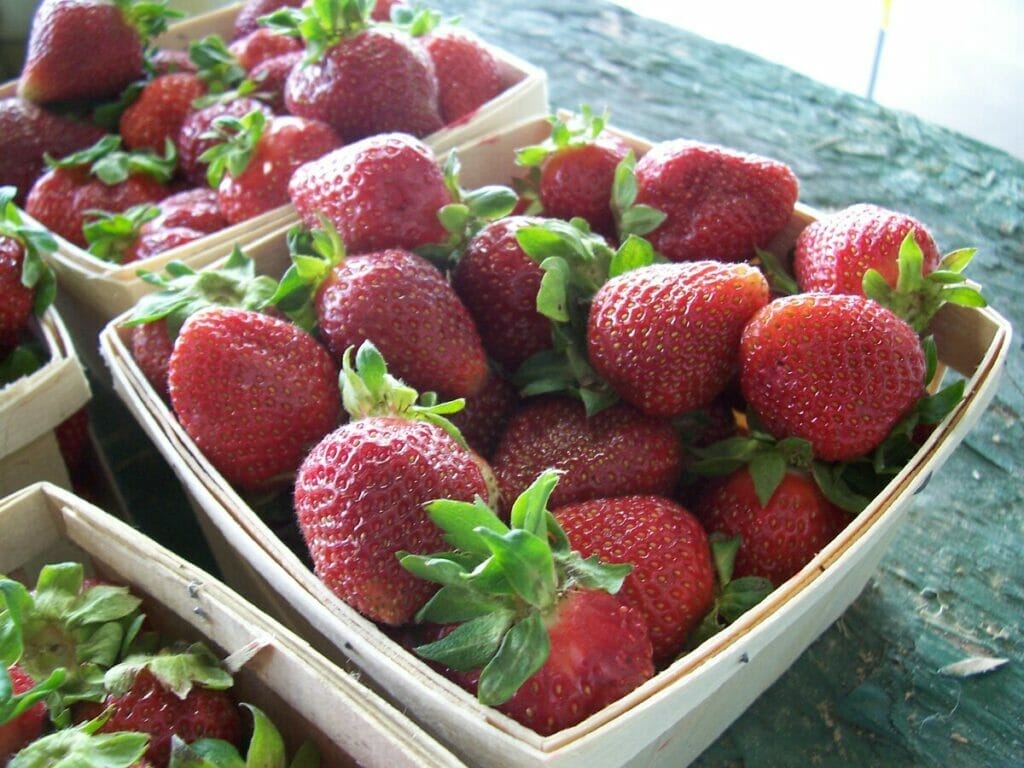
(350, 724)
(31, 408)
(670, 719)
(94, 291)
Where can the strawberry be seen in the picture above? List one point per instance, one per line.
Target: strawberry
(260, 45)
(150, 243)
(197, 135)
(271, 75)
(666, 336)
(359, 493)
(156, 115)
(468, 73)
(247, 18)
(27, 284)
(838, 371)
(382, 9)
(151, 346)
(99, 178)
(195, 208)
(254, 165)
(833, 253)
(359, 77)
(166, 61)
(82, 745)
(73, 440)
(21, 718)
(615, 452)
(253, 392)
(28, 133)
(777, 537)
(381, 192)
(543, 637)
(719, 203)
(182, 693)
(485, 415)
(81, 50)
(672, 582)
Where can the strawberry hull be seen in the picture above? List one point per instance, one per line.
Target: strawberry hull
(349, 724)
(670, 719)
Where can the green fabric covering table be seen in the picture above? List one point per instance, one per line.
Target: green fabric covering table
(868, 692)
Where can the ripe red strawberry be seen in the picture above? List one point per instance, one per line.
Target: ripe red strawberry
(151, 346)
(16, 307)
(360, 78)
(80, 50)
(672, 582)
(483, 419)
(153, 242)
(777, 538)
(272, 74)
(27, 285)
(838, 371)
(615, 452)
(195, 208)
(156, 115)
(247, 19)
(359, 493)
(197, 135)
(73, 439)
(498, 282)
(27, 133)
(254, 392)
(468, 73)
(254, 165)
(666, 336)
(24, 728)
(381, 192)
(260, 45)
(166, 61)
(382, 9)
(720, 204)
(833, 253)
(550, 645)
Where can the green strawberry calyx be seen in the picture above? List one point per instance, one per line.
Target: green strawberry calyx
(577, 131)
(13, 705)
(501, 584)
(416, 20)
(177, 670)
(917, 296)
(112, 165)
(183, 291)
(322, 24)
(237, 138)
(148, 17)
(367, 389)
(266, 750)
(111, 235)
(631, 217)
(314, 253)
(35, 241)
(24, 360)
(83, 746)
(216, 66)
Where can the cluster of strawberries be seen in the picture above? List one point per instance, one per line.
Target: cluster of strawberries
(619, 412)
(128, 149)
(88, 682)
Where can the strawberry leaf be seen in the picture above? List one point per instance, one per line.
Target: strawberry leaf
(631, 218)
(307, 756)
(13, 705)
(527, 563)
(767, 470)
(82, 746)
(455, 604)
(204, 753)
(524, 650)
(237, 138)
(176, 671)
(111, 235)
(470, 645)
(35, 241)
(741, 595)
(634, 253)
(591, 573)
(529, 510)
(779, 279)
(266, 747)
(216, 65)
(24, 360)
(460, 520)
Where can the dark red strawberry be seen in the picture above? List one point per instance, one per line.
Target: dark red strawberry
(151, 347)
(247, 20)
(156, 115)
(468, 73)
(195, 208)
(197, 134)
(483, 419)
(498, 282)
(80, 50)
(666, 337)
(672, 582)
(615, 452)
(360, 78)
(838, 371)
(73, 439)
(381, 192)
(153, 242)
(254, 165)
(27, 285)
(23, 728)
(554, 648)
(833, 253)
(359, 493)
(254, 392)
(720, 204)
(260, 45)
(777, 538)
(271, 75)
(28, 132)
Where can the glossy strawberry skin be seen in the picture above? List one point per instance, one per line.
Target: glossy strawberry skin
(777, 539)
(615, 452)
(483, 419)
(27, 133)
(195, 208)
(149, 707)
(25, 728)
(286, 143)
(60, 198)
(666, 337)
(262, 44)
(577, 181)
(160, 109)
(272, 74)
(382, 192)
(600, 651)
(672, 583)
(191, 142)
(359, 499)
(468, 74)
(79, 50)
(405, 306)
(247, 19)
(16, 306)
(253, 392)
(151, 346)
(720, 203)
(376, 81)
(498, 283)
(836, 370)
(833, 253)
